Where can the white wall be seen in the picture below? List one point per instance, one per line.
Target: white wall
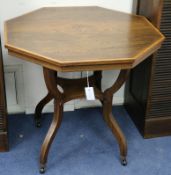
(34, 87)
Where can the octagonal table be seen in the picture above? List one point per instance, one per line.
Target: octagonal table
(69, 39)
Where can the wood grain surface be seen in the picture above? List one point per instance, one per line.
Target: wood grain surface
(73, 38)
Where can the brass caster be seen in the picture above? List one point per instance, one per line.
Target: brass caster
(42, 170)
(123, 161)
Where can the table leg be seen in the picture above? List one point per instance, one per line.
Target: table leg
(39, 108)
(57, 118)
(107, 112)
(73, 89)
(54, 93)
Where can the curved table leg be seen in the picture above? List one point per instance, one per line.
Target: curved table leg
(57, 117)
(51, 84)
(54, 93)
(39, 108)
(107, 112)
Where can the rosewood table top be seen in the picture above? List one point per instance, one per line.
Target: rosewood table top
(81, 38)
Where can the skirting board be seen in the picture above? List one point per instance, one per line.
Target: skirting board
(49, 109)
(77, 105)
(84, 103)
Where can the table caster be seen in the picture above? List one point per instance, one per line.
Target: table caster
(42, 170)
(37, 123)
(123, 161)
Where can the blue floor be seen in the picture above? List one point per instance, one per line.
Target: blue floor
(84, 146)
